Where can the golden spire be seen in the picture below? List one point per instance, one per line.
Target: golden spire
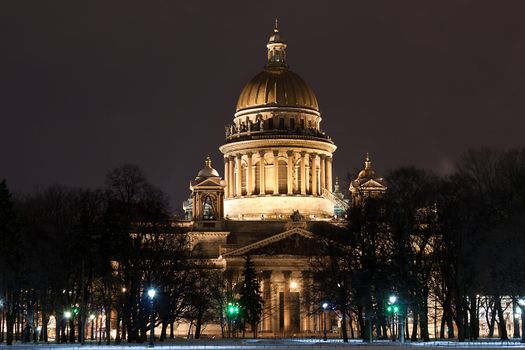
(276, 29)
(368, 163)
(208, 162)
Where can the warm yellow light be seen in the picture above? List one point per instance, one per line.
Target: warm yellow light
(293, 284)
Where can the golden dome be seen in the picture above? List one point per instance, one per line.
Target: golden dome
(276, 85)
(207, 171)
(367, 172)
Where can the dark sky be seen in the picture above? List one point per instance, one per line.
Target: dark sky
(86, 86)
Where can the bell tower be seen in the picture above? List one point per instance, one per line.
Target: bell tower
(207, 193)
(368, 184)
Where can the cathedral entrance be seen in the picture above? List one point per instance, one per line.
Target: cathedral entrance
(290, 309)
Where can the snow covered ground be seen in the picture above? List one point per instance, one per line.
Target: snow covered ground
(271, 344)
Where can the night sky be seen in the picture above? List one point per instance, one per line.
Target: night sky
(86, 86)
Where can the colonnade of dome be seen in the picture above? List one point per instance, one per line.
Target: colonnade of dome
(276, 172)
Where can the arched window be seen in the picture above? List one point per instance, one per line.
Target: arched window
(283, 177)
(207, 208)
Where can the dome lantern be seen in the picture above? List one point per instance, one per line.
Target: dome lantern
(276, 48)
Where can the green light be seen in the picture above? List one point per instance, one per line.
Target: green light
(396, 309)
(389, 309)
(232, 309)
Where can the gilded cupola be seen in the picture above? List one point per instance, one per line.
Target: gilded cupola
(277, 85)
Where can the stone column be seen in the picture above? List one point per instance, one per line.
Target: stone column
(329, 174)
(238, 186)
(227, 176)
(196, 199)
(313, 166)
(322, 174)
(249, 176)
(303, 172)
(286, 297)
(267, 297)
(306, 313)
(290, 172)
(231, 177)
(262, 180)
(275, 172)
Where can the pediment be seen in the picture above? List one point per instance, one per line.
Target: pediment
(296, 241)
(373, 184)
(209, 182)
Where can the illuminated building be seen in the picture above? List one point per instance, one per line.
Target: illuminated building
(276, 193)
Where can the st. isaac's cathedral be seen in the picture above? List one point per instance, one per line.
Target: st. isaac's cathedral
(277, 191)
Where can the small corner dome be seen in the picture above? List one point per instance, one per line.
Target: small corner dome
(367, 172)
(208, 171)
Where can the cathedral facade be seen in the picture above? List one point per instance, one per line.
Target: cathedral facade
(276, 193)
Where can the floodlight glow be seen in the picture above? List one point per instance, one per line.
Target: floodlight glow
(151, 293)
(325, 306)
(521, 302)
(392, 299)
(92, 317)
(67, 314)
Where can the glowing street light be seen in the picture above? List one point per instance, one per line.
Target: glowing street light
(151, 295)
(325, 307)
(392, 299)
(232, 310)
(67, 316)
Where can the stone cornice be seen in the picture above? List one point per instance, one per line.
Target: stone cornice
(209, 234)
(251, 111)
(299, 144)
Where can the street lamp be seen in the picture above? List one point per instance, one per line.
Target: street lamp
(395, 309)
(151, 295)
(232, 312)
(325, 307)
(67, 316)
(92, 319)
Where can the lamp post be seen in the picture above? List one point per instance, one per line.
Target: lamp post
(151, 295)
(325, 306)
(92, 319)
(232, 311)
(394, 309)
(67, 316)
